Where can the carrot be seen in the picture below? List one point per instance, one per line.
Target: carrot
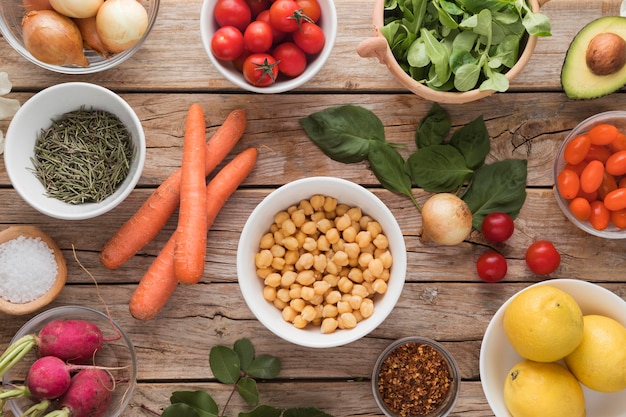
(160, 282)
(191, 231)
(152, 216)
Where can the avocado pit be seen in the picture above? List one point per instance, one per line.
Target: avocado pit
(606, 53)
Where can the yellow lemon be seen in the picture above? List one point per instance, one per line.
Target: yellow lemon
(546, 389)
(599, 362)
(543, 323)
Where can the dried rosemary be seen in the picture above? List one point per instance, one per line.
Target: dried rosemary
(83, 156)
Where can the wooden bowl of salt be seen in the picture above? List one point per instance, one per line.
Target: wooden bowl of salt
(32, 270)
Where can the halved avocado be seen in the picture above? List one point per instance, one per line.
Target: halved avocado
(577, 78)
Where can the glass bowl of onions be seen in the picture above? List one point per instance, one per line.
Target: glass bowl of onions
(77, 36)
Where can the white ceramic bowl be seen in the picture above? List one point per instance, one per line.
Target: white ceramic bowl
(36, 114)
(616, 118)
(258, 224)
(497, 356)
(11, 13)
(117, 353)
(328, 23)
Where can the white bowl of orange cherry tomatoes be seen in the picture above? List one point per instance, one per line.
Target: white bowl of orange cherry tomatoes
(590, 175)
(268, 46)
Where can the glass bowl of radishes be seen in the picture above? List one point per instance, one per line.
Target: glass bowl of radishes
(268, 46)
(70, 361)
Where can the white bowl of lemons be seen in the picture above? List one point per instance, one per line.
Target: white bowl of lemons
(508, 378)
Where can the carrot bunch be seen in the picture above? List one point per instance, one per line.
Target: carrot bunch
(182, 258)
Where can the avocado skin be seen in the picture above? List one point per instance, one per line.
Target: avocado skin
(577, 80)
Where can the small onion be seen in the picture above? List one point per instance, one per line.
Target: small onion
(446, 219)
(30, 5)
(87, 27)
(121, 24)
(53, 38)
(77, 8)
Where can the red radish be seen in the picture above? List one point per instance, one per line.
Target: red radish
(74, 341)
(89, 395)
(48, 378)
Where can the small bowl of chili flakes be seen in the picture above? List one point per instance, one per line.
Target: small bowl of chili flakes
(416, 377)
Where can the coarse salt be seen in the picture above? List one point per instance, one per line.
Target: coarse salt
(27, 269)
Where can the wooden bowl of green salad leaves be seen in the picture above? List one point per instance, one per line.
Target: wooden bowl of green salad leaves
(455, 51)
(75, 150)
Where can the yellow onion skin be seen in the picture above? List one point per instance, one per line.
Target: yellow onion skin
(87, 27)
(121, 24)
(446, 219)
(77, 8)
(53, 38)
(30, 5)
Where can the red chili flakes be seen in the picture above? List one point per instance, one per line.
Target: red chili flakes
(414, 379)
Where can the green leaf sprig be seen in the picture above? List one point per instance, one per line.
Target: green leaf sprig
(352, 134)
(458, 45)
(238, 366)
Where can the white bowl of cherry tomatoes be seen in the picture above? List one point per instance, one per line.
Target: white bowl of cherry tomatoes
(268, 46)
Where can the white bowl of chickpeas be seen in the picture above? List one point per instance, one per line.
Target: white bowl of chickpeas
(321, 262)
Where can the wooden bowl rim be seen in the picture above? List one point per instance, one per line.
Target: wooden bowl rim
(16, 309)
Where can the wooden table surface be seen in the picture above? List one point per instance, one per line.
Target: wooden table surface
(443, 297)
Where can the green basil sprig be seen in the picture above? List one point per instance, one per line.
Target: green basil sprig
(353, 134)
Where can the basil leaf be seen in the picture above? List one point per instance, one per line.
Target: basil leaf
(388, 166)
(438, 168)
(434, 127)
(472, 140)
(500, 186)
(343, 133)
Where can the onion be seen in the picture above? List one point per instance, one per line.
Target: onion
(30, 5)
(87, 27)
(53, 38)
(77, 8)
(446, 219)
(121, 23)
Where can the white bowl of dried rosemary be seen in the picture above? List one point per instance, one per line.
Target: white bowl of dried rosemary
(75, 151)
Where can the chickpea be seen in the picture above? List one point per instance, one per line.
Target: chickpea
(330, 310)
(305, 261)
(332, 267)
(288, 278)
(289, 314)
(364, 221)
(355, 302)
(386, 259)
(279, 304)
(364, 259)
(309, 228)
(357, 315)
(356, 275)
(374, 228)
(355, 213)
(367, 308)
(317, 202)
(346, 321)
(308, 313)
(309, 244)
(330, 204)
(321, 287)
(331, 279)
(263, 273)
(298, 218)
(318, 216)
(349, 235)
(297, 304)
(291, 243)
(340, 258)
(269, 293)
(343, 307)
(279, 236)
(343, 222)
(323, 245)
(341, 209)
(345, 285)
(332, 235)
(267, 241)
(281, 216)
(273, 280)
(376, 267)
(319, 262)
(306, 277)
(278, 264)
(360, 290)
(352, 250)
(299, 322)
(317, 299)
(380, 286)
(291, 257)
(295, 291)
(307, 293)
(306, 207)
(329, 325)
(381, 242)
(363, 238)
(333, 297)
(324, 225)
(283, 295)
(263, 259)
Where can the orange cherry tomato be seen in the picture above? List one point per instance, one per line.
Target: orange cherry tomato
(618, 218)
(616, 164)
(619, 143)
(591, 177)
(588, 196)
(578, 168)
(616, 199)
(580, 208)
(600, 216)
(568, 184)
(602, 134)
(608, 184)
(598, 152)
(576, 149)
(621, 183)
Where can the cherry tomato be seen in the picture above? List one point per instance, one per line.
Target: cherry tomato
(598, 152)
(608, 185)
(277, 35)
(588, 196)
(616, 199)
(291, 59)
(578, 168)
(619, 144)
(311, 9)
(568, 184)
(238, 62)
(576, 149)
(542, 257)
(591, 177)
(600, 216)
(491, 266)
(227, 43)
(260, 70)
(618, 218)
(497, 227)
(580, 208)
(616, 164)
(285, 15)
(258, 37)
(257, 6)
(602, 134)
(233, 13)
(310, 38)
